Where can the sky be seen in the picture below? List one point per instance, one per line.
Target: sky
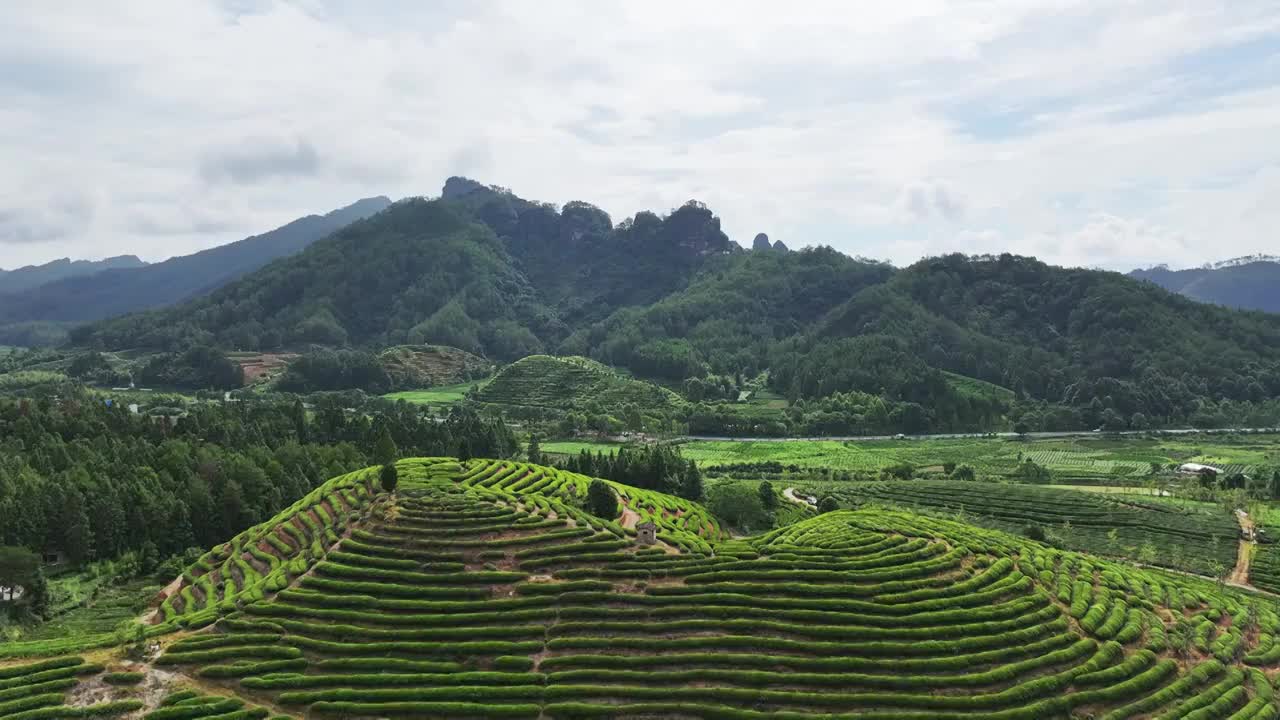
(1112, 134)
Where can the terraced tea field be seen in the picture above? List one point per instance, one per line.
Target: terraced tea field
(481, 590)
(572, 383)
(1198, 540)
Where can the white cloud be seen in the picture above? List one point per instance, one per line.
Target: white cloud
(1088, 132)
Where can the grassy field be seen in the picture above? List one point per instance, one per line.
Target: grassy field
(483, 590)
(442, 395)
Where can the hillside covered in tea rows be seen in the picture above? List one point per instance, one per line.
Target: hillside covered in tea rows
(486, 589)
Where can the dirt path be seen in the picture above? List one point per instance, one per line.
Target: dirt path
(1240, 573)
(629, 517)
(790, 494)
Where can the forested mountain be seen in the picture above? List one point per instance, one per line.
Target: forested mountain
(672, 298)
(582, 265)
(1247, 283)
(420, 272)
(128, 289)
(31, 276)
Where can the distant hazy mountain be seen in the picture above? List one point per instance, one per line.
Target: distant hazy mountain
(25, 278)
(1251, 283)
(118, 291)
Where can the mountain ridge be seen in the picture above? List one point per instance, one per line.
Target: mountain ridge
(32, 276)
(1246, 283)
(672, 298)
(122, 290)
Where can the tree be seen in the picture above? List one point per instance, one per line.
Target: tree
(389, 477)
(1029, 471)
(77, 534)
(601, 500)
(385, 451)
(768, 498)
(690, 486)
(464, 451)
(948, 467)
(17, 566)
(828, 504)
(737, 505)
(299, 416)
(535, 450)
(964, 473)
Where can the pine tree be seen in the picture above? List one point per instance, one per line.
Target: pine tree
(535, 450)
(601, 501)
(299, 417)
(768, 498)
(389, 477)
(691, 483)
(385, 451)
(77, 535)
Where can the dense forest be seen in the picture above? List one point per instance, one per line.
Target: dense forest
(94, 480)
(673, 300)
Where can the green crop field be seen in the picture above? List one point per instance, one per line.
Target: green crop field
(483, 590)
(1124, 461)
(573, 447)
(441, 395)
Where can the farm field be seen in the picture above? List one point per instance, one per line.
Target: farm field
(481, 589)
(1124, 461)
(113, 606)
(1202, 540)
(441, 395)
(573, 447)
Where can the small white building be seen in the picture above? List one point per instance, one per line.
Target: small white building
(1197, 468)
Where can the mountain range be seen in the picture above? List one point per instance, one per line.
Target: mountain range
(1250, 283)
(672, 298)
(109, 289)
(32, 276)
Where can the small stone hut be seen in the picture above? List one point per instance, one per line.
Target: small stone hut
(646, 533)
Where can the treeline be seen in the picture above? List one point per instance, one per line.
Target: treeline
(652, 467)
(324, 370)
(94, 481)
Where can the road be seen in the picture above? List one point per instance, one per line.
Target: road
(975, 436)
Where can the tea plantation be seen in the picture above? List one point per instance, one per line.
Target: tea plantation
(483, 590)
(1198, 540)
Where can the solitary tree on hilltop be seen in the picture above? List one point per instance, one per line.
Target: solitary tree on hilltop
(601, 501)
(389, 477)
(385, 450)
